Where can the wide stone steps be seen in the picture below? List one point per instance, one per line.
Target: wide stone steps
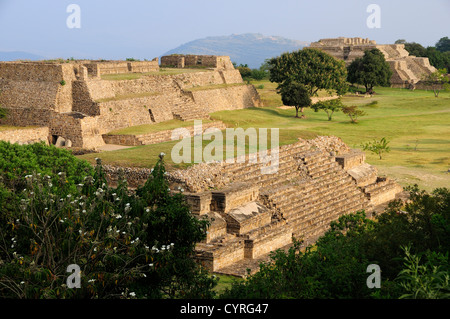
(284, 155)
(317, 201)
(316, 223)
(336, 204)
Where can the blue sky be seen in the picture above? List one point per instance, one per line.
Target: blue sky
(113, 29)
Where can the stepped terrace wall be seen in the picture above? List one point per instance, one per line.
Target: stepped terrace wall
(206, 61)
(82, 107)
(36, 86)
(155, 137)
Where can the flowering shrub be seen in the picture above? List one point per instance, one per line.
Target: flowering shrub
(127, 244)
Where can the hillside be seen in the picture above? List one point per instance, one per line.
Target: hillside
(18, 55)
(250, 48)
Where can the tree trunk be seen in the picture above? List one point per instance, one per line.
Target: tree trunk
(296, 112)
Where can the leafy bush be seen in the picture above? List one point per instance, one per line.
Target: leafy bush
(258, 74)
(127, 244)
(353, 112)
(330, 107)
(425, 280)
(245, 71)
(377, 147)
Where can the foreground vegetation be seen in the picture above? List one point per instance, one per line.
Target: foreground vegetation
(57, 210)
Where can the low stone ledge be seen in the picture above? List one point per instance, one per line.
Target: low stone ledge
(26, 135)
(156, 137)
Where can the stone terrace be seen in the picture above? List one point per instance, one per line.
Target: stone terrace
(252, 214)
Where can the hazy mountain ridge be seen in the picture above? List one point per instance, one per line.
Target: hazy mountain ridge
(250, 48)
(19, 55)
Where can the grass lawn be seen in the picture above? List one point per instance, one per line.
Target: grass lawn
(162, 71)
(415, 122)
(214, 86)
(151, 128)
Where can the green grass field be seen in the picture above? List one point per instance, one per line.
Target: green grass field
(415, 122)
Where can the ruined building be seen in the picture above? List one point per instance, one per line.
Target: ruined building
(252, 214)
(80, 101)
(407, 70)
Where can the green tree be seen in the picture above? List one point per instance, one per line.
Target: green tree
(244, 70)
(294, 94)
(313, 68)
(370, 70)
(353, 112)
(443, 45)
(377, 147)
(330, 107)
(437, 81)
(258, 74)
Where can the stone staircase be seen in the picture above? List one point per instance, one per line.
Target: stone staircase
(185, 109)
(309, 190)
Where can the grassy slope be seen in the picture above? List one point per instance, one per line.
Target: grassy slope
(416, 123)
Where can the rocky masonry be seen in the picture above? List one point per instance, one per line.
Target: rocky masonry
(407, 70)
(75, 100)
(252, 214)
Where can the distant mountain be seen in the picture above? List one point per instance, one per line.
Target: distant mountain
(19, 55)
(250, 48)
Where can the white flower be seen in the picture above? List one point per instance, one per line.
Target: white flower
(151, 265)
(119, 216)
(91, 280)
(132, 294)
(22, 282)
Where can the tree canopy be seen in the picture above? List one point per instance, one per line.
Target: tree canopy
(370, 70)
(294, 94)
(313, 68)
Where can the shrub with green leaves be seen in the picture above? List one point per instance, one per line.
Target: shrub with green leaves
(330, 107)
(377, 147)
(127, 244)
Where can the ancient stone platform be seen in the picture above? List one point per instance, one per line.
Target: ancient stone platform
(253, 214)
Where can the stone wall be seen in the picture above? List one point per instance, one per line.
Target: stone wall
(74, 102)
(98, 68)
(229, 98)
(155, 137)
(25, 135)
(189, 61)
